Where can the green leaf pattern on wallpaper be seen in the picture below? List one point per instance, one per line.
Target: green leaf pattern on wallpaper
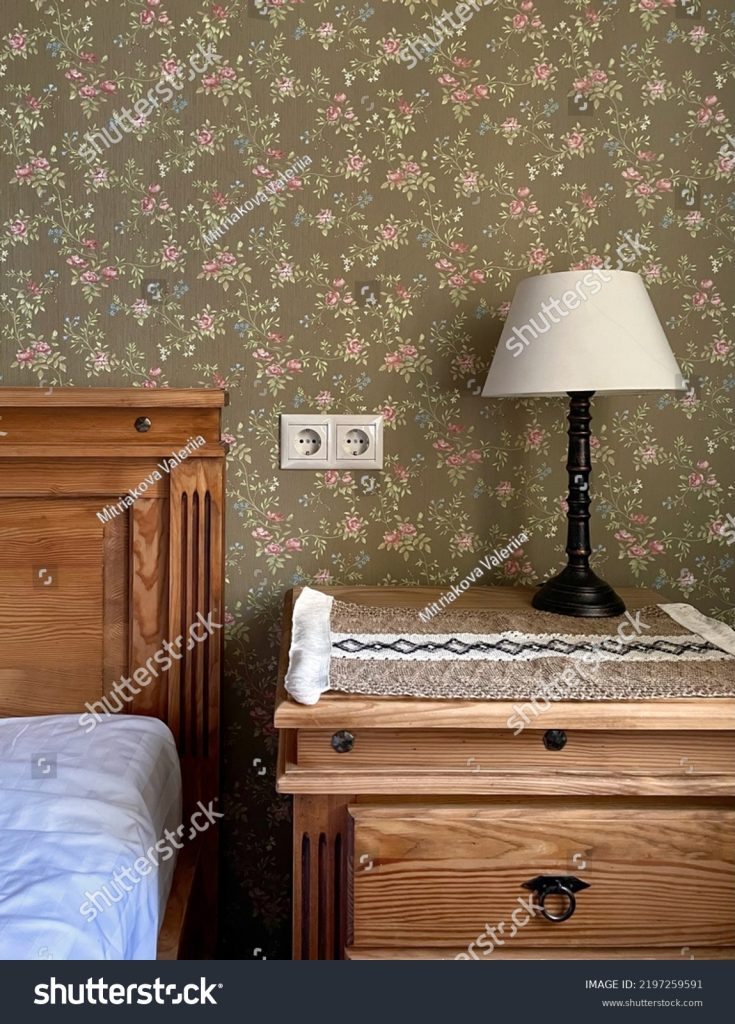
(528, 138)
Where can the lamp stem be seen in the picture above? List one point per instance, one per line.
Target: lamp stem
(579, 467)
(577, 590)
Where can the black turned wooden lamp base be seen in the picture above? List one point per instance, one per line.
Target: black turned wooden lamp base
(577, 590)
(579, 593)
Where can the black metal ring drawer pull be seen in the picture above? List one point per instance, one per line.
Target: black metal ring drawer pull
(556, 885)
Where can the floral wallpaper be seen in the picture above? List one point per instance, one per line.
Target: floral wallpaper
(420, 166)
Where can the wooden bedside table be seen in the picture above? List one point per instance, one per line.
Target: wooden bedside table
(416, 822)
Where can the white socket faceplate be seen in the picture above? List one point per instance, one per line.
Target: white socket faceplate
(313, 441)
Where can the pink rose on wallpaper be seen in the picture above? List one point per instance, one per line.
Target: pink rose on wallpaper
(17, 41)
(293, 544)
(477, 276)
(260, 533)
(274, 370)
(353, 524)
(89, 277)
(695, 480)
(205, 137)
(275, 517)
(457, 281)
(542, 72)
(535, 437)
(474, 456)
(147, 204)
(391, 46)
(294, 365)
(87, 91)
(108, 86)
(656, 547)
(205, 322)
(19, 228)
(109, 273)
(171, 253)
(455, 460)
(516, 207)
(720, 347)
(274, 548)
(574, 141)
(539, 256)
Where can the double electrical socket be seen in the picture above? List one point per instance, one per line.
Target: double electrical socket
(331, 442)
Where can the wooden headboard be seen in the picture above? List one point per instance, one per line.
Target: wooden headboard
(111, 543)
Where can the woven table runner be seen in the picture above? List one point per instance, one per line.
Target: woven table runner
(660, 651)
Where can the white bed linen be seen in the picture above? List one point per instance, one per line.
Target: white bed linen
(116, 789)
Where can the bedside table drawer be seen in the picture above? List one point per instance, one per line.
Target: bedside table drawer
(436, 876)
(495, 761)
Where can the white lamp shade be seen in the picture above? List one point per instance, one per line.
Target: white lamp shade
(582, 331)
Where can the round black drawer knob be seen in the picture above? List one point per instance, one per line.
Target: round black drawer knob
(343, 741)
(142, 424)
(555, 739)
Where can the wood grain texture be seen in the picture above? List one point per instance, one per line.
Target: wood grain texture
(684, 954)
(52, 636)
(643, 752)
(148, 621)
(170, 429)
(658, 877)
(106, 479)
(453, 761)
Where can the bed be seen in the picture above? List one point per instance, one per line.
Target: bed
(111, 548)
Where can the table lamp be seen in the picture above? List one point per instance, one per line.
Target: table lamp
(578, 333)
